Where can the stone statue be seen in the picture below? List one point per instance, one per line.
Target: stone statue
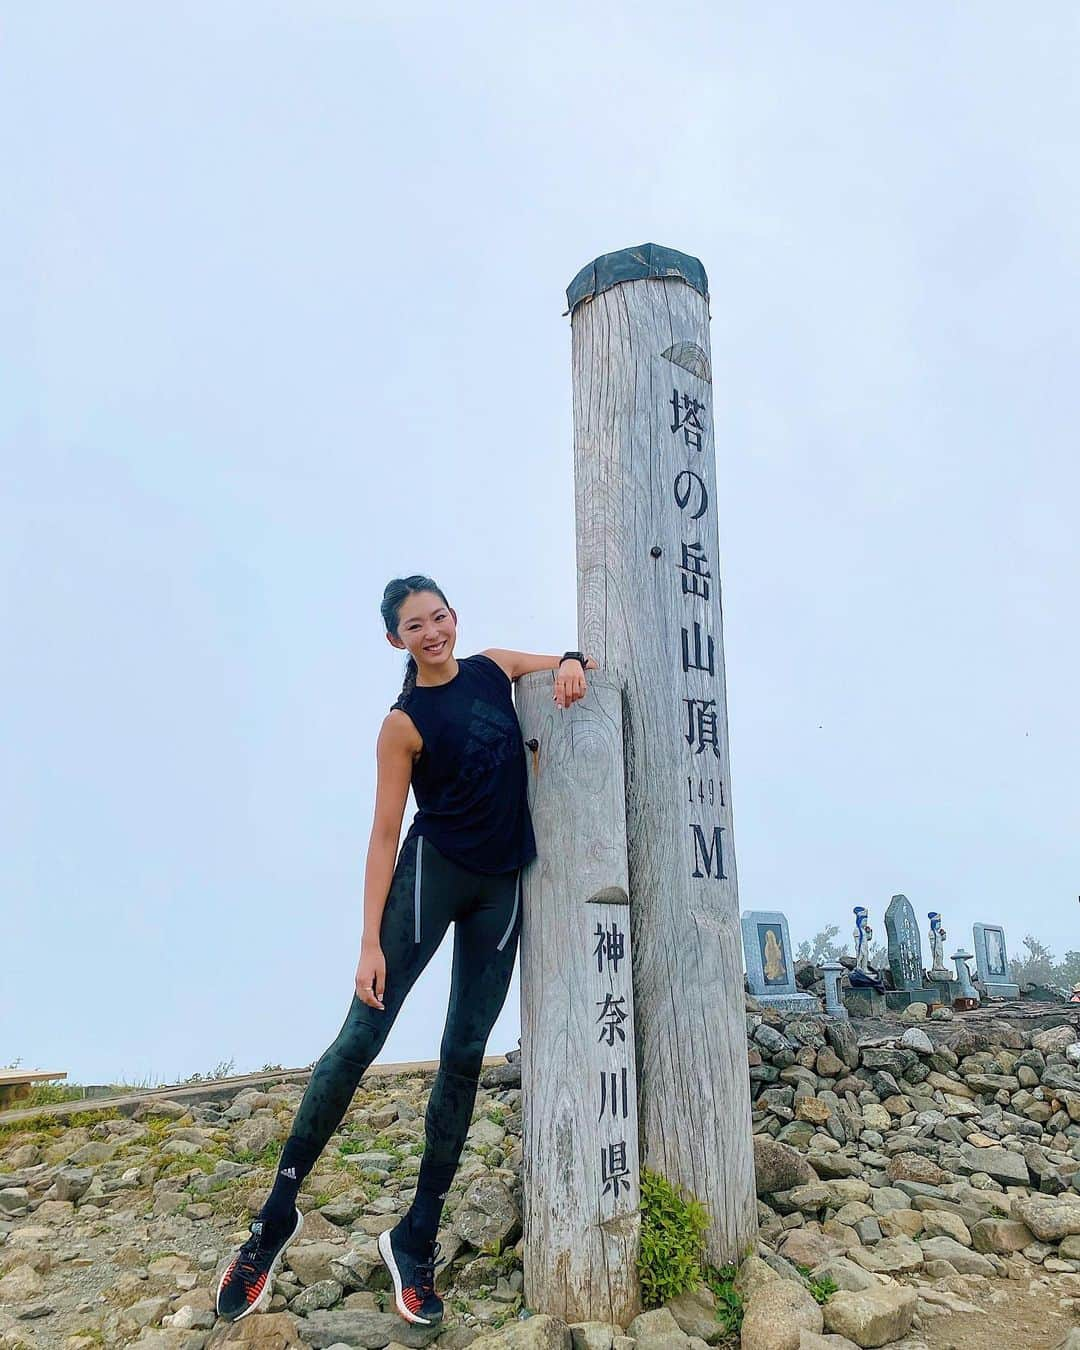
(774, 958)
(938, 937)
(863, 934)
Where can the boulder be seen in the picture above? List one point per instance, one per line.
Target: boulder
(1008, 1168)
(265, 1331)
(1055, 1038)
(776, 1315)
(894, 1256)
(695, 1313)
(962, 1259)
(914, 1167)
(872, 1317)
(1050, 1220)
(779, 1168)
(1001, 1237)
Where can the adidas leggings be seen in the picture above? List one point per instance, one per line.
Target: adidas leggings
(428, 892)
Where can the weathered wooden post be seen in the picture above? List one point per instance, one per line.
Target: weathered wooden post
(649, 612)
(580, 1169)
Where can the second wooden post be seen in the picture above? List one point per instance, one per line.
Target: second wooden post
(580, 1169)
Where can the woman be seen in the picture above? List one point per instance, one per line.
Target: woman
(454, 735)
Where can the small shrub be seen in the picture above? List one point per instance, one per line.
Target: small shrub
(729, 1304)
(672, 1233)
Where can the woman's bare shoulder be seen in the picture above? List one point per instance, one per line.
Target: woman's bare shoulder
(399, 732)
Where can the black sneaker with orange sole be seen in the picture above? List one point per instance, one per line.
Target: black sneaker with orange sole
(414, 1280)
(246, 1284)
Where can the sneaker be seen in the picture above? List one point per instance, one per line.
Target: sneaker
(414, 1281)
(246, 1285)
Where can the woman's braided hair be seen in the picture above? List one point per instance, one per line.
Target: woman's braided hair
(393, 597)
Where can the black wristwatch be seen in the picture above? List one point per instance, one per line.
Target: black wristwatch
(577, 656)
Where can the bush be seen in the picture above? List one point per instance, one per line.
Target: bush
(672, 1235)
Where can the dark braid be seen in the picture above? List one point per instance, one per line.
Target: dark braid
(393, 597)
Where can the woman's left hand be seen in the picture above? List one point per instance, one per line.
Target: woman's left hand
(570, 682)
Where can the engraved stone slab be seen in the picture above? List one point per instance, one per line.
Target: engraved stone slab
(770, 966)
(992, 961)
(905, 955)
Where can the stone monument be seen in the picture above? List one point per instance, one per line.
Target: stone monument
(968, 996)
(992, 962)
(834, 1002)
(769, 965)
(905, 957)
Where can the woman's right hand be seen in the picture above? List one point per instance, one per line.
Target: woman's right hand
(371, 976)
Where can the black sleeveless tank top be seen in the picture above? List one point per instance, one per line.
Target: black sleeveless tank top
(470, 779)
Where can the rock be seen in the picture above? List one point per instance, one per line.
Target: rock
(940, 1223)
(373, 1330)
(960, 1258)
(829, 1064)
(804, 1247)
(810, 1340)
(875, 1117)
(893, 1256)
(311, 1261)
(872, 1317)
(321, 1294)
(20, 1284)
(1009, 1169)
(845, 1274)
(778, 1311)
(254, 1135)
(361, 1267)
(830, 1166)
(843, 1039)
(914, 1167)
(14, 1200)
(1055, 1038)
(1050, 1220)
(812, 1109)
(488, 1213)
(915, 1012)
(695, 1313)
(916, 1039)
(594, 1335)
(752, 1274)
(72, 1183)
(844, 1189)
(902, 1223)
(655, 1323)
(265, 1331)
(779, 1168)
(1001, 1236)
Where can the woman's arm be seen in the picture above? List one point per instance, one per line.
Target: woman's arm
(524, 663)
(394, 752)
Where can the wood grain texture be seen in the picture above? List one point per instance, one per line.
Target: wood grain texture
(633, 612)
(581, 1232)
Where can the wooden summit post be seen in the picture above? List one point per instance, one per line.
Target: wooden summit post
(649, 612)
(580, 1161)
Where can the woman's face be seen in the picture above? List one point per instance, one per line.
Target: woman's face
(427, 628)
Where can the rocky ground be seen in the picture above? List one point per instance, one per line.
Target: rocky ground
(930, 1172)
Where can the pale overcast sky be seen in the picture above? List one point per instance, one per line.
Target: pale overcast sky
(281, 294)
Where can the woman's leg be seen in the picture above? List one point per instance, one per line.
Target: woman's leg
(485, 945)
(425, 893)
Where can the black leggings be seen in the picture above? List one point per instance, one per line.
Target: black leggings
(428, 892)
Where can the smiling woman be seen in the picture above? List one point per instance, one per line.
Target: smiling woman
(453, 736)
